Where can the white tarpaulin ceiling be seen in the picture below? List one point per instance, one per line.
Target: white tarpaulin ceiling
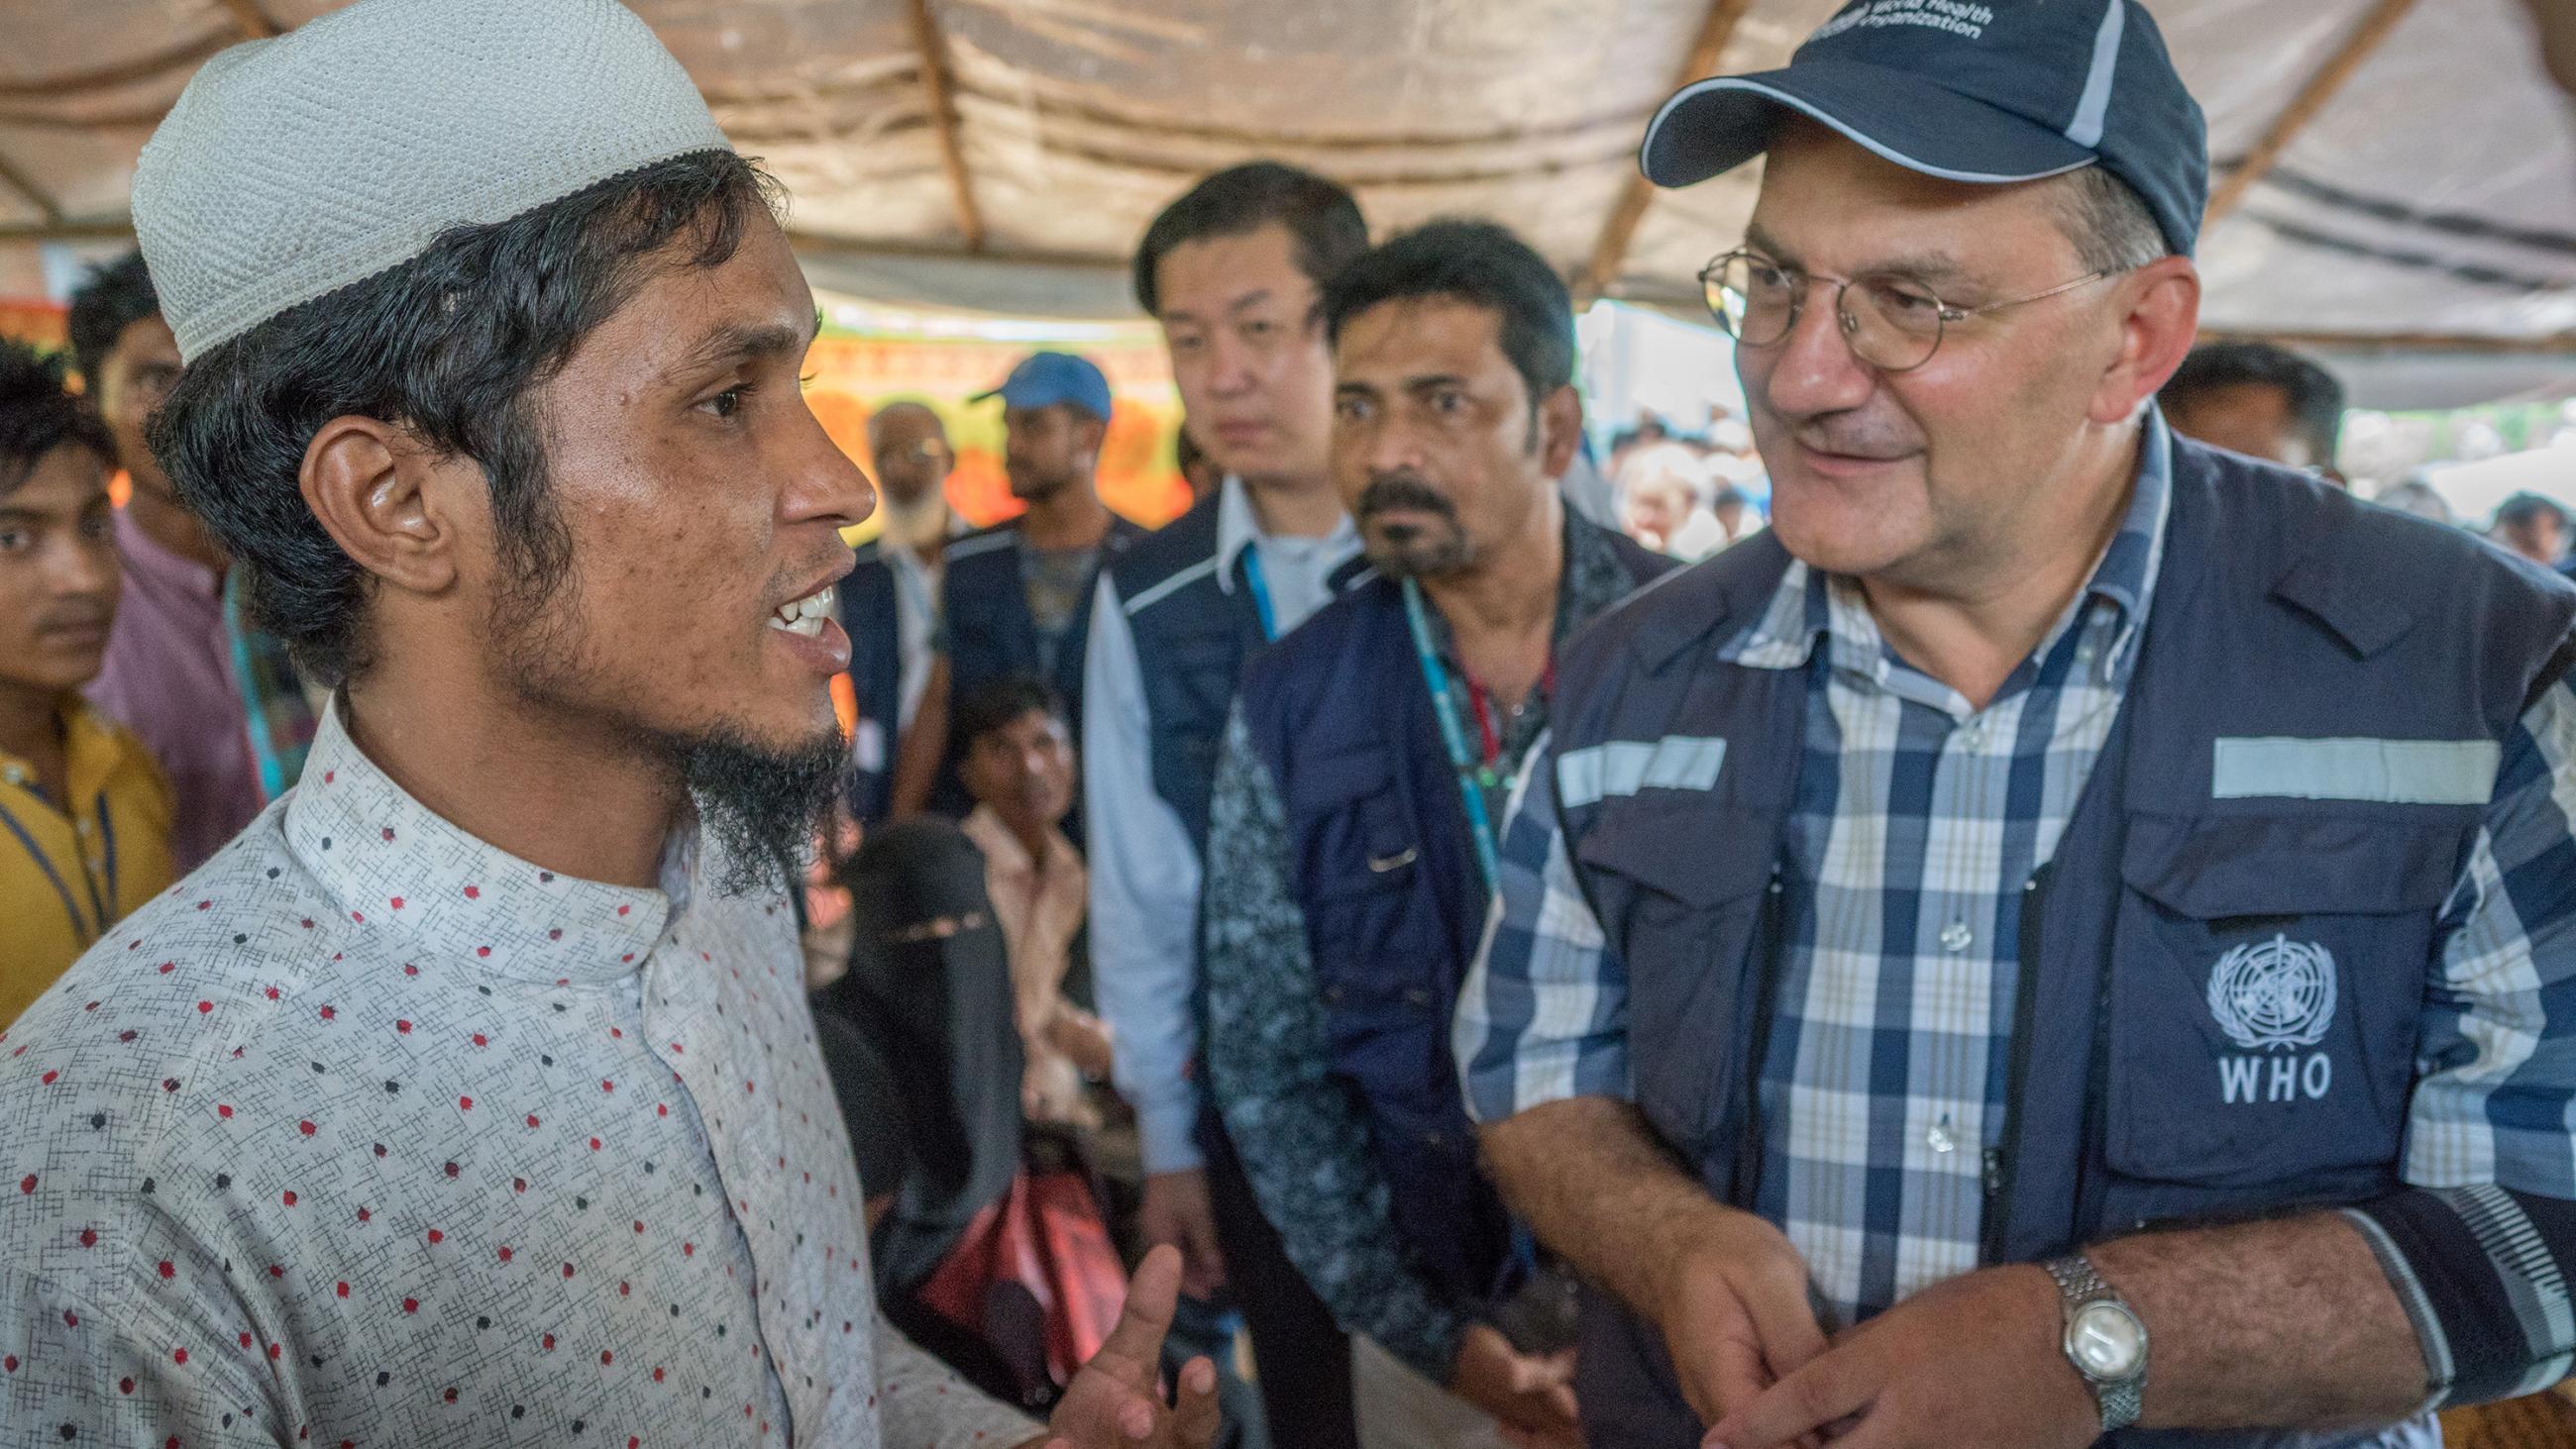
(2415, 205)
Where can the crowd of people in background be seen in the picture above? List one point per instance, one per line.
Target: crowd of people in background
(1354, 886)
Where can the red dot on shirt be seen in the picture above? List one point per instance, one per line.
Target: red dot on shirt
(167, 967)
(307, 1128)
(364, 1215)
(341, 1288)
(466, 1103)
(289, 1196)
(27, 1184)
(411, 1305)
(48, 1078)
(474, 893)
(204, 1006)
(482, 950)
(402, 1026)
(178, 1355)
(547, 1343)
(397, 900)
(272, 993)
(567, 1270)
(167, 1270)
(532, 1119)
(505, 1252)
(594, 1144)
(224, 1110)
(606, 1085)
(89, 1237)
(123, 1386)
(436, 1237)
(479, 1041)
(688, 1250)
(606, 1358)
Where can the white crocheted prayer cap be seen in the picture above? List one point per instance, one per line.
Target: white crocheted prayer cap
(295, 166)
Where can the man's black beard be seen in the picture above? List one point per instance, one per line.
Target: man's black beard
(1408, 552)
(765, 806)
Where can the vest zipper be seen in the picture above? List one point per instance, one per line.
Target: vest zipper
(1764, 960)
(1999, 1161)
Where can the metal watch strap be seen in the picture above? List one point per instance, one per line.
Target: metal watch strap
(2078, 1284)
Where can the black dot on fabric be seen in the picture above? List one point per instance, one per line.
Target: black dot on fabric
(648, 1165)
(675, 1310)
(97, 1120)
(239, 938)
(518, 1411)
(577, 1425)
(272, 872)
(697, 1189)
(71, 1431)
(390, 1086)
(545, 1061)
(483, 1320)
(581, 1204)
(719, 1330)
(380, 1147)
(452, 1169)
(147, 1187)
(228, 1265)
(316, 1066)
(326, 842)
(486, 990)
(706, 1393)
(559, 1006)
(223, 1180)
(383, 1379)
(317, 1360)
(228, 1421)
(546, 876)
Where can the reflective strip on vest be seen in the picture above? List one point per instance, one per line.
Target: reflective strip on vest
(1623, 767)
(2387, 772)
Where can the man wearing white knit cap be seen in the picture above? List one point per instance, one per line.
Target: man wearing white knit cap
(469, 1097)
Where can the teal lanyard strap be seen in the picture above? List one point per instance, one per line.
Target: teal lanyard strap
(1259, 583)
(263, 747)
(1444, 705)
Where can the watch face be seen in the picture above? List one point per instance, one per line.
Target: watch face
(2107, 1342)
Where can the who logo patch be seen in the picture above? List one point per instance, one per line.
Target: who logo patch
(2274, 995)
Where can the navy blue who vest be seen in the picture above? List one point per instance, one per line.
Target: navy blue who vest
(1385, 872)
(1192, 638)
(876, 677)
(985, 618)
(2244, 823)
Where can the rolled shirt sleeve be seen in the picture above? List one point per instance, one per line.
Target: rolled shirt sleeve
(1543, 1015)
(1145, 878)
(2480, 1247)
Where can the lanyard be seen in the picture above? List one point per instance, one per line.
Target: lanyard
(1471, 771)
(263, 744)
(1255, 580)
(82, 931)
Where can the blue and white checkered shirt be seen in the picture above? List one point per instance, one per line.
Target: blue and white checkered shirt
(1917, 821)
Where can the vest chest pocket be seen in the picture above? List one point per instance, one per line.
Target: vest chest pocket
(1680, 884)
(1373, 926)
(2267, 980)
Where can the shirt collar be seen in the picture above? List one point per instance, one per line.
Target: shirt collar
(1804, 607)
(142, 554)
(1238, 528)
(89, 752)
(391, 863)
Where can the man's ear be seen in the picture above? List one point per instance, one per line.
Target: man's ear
(2156, 333)
(1090, 433)
(1560, 430)
(374, 489)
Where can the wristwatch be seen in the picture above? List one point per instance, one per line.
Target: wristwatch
(2104, 1340)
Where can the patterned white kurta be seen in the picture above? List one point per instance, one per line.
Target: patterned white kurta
(368, 1133)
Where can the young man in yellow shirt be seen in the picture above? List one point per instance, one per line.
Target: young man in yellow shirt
(84, 812)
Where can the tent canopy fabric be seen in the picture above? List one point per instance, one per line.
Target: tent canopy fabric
(2406, 203)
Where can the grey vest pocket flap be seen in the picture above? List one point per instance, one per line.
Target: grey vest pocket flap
(2345, 863)
(1686, 847)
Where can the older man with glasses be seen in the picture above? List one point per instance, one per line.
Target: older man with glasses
(2070, 929)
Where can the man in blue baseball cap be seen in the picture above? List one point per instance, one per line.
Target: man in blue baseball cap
(1016, 597)
(2050, 829)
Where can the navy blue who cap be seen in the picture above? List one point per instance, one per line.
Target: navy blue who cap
(1989, 91)
(1044, 379)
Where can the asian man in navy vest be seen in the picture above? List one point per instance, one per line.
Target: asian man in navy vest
(1233, 270)
(1016, 597)
(1351, 839)
(2071, 929)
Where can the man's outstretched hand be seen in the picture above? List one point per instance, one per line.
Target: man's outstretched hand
(1116, 1402)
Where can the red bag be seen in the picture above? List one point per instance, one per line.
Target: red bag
(1036, 1278)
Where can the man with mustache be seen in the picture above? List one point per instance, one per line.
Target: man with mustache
(470, 1095)
(1233, 270)
(1351, 840)
(84, 812)
(2070, 929)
